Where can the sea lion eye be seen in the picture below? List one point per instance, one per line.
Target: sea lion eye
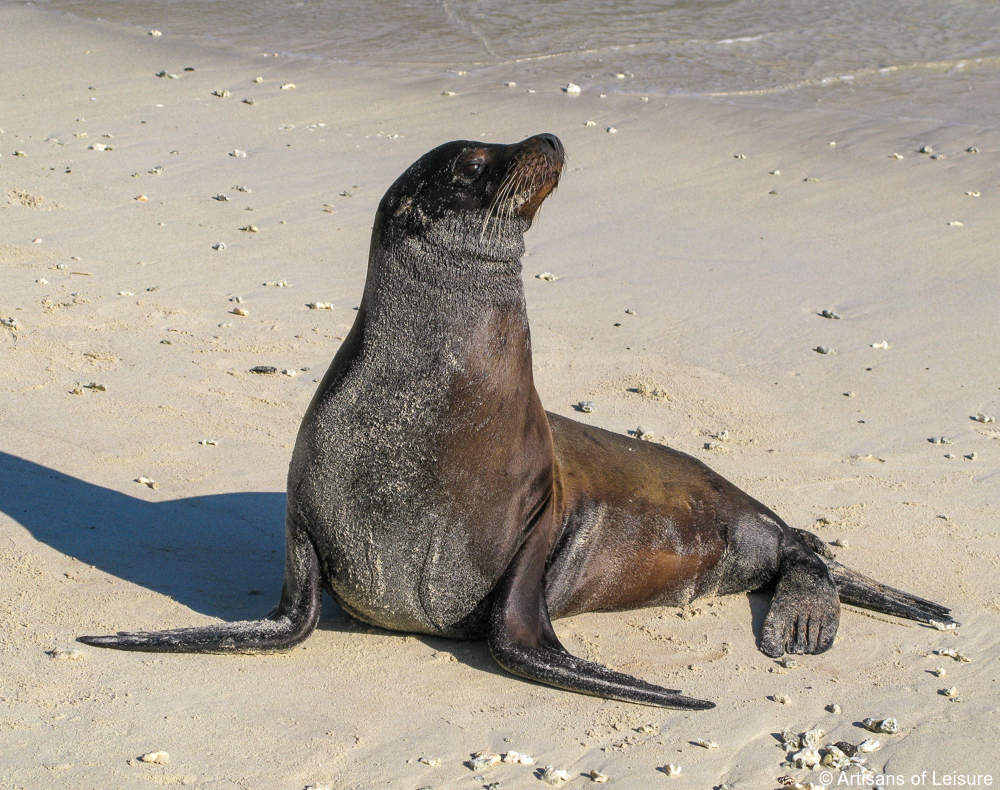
(472, 168)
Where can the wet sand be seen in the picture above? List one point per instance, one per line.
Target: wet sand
(111, 278)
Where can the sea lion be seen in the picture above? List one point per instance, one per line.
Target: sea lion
(430, 492)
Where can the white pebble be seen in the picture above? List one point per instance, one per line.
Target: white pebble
(483, 760)
(597, 777)
(883, 344)
(956, 224)
(672, 770)
(65, 655)
(782, 699)
(219, 246)
(572, 88)
(238, 153)
(517, 758)
(158, 758)
(556, 777)
(547, 276)
(209, 442)
(98, 147)
(290, 373)
(288, 86)
(611, 130)
(824, 350)
(320, 305)
(433, 762)
(240, 311)
(155, 33)
(147, 482)
(983, 418)
(869, 745)
(951, 692)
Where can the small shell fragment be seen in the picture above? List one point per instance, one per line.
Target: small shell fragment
(249, 101)
(483, 760)
(648, 729)
(611, 130)
(289, 372)
(834, 708)
(448, 93)
(222, 198)
(9, 322)
(829, 314)
(219, 246)
(782, 699)
(937, 623)
(888, 726)
(555, 777)
(288, 86)
(97, 147)
(277, 283)
(841, 543)
(586, 406)
(868, 746)
(249, 228)
(516, 758)
(790, 740)
(597, 777)
(895, 156)
(806, 758)
(572, 88)
(155, 34)
(950, 692)
(705, 744)
(824, 350)
(672, 770)
(883, 344)
(238, 153)
(320, 305)
(96, 386)
(158, 758)
(925, 149)
(433, 762)
(547, 276)
(958, 655)
(788, 662)
(956, 224)
(222, 94)
(242, 311)
(813, 739)
(65, 655)
(984, 418)
(147, 482)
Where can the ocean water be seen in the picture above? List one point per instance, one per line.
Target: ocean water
(701, 47)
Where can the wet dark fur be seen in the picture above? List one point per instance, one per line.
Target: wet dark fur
(430, 492)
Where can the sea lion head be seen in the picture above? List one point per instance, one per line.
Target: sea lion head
(471, 190)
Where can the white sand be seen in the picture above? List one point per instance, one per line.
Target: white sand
(726, 281)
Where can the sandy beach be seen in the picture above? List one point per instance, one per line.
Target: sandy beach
(694, 248)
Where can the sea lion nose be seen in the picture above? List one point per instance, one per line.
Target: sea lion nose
(552, 141)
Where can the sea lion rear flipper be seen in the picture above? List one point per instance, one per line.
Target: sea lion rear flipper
(805, 611)
(522, 640)
(856, 589)
(292, 620)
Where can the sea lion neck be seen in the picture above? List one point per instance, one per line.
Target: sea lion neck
(449, 273)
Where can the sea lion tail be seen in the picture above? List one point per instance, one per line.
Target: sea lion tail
(858, 590)
(290, 623)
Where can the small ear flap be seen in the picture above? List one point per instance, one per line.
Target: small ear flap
(405, 206)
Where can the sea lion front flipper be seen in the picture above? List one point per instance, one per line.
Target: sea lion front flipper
(805, 611)
(522, 640)
(292, 620)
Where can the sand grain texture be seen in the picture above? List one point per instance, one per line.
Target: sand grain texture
(725, 282)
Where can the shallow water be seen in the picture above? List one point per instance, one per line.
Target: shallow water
(675, 46)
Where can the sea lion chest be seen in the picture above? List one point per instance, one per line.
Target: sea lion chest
(408, 470)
